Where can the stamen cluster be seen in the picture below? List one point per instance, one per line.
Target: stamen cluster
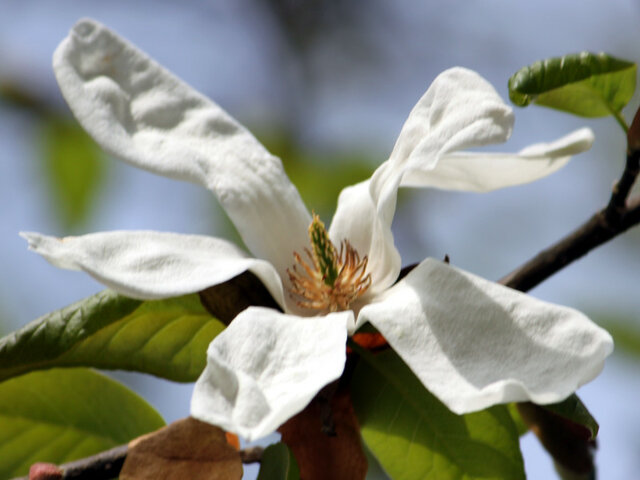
(330, 281)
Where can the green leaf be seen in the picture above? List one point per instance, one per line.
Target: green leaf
(278, 463)
(167, 338)
(414, 436)
(573, 409)
(374, 469)
(61, 415)
(518, 421)
(74, 167)
(585, 84)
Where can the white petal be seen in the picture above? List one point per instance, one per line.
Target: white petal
(474, 343)
(266, 367)
(357, 220)
(483, 172)
(151, 265)
(459, 110)
(138, 111)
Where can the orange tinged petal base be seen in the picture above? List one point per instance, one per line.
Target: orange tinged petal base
(370, 341)
(233, 440)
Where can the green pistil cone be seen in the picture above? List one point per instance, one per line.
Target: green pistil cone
(324, 253)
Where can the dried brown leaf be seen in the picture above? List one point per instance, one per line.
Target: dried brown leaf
(187, 448)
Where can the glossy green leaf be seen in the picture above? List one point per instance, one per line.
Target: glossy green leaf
(278, 463)
(573, 409)
(167, 338)
(414, 436)
(60, 415)
(585, 84)
(74, 169)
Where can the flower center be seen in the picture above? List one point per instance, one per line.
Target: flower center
(331, 280)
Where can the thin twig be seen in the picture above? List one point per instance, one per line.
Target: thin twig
(251, 455)
(106, 465)
(617, 204)
(617, 217)
(103, 466)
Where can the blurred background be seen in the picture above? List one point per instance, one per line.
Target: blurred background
(327, 86)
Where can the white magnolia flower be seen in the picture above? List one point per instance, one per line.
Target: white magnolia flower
(472, 343)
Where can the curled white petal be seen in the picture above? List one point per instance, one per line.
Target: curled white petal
(152, 265)
(474, 343)
(483, 172)
(460, 110)
(358, 221)
(266, 367)
(141, 113)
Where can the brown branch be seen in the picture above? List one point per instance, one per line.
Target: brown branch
(106, 465)
(617, 217)
(251, 455)
(617, 207)
(600, 228)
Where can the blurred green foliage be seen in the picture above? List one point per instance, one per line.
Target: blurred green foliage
(624, 330)
(319, 177)
(73, 167)
(72, 164)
